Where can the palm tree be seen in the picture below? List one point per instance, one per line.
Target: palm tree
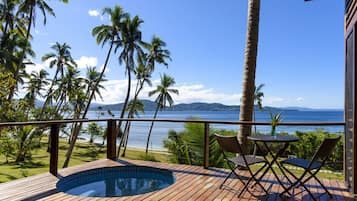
(60, 58)
(258, 100)
(27, 9)
(164, 96)
(143, 75)
(35, 86)
(156, 53)
(7, 15)
(250, 59)
(104, 34)
(93, 83)
(131, 44)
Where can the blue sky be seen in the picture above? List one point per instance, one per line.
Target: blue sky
(300, 57)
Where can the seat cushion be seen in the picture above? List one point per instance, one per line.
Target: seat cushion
(251, 159)
(299, 162)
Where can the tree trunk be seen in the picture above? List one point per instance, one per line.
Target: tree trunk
(78, 127)
(127, 129)
(250, 58)
(49, 93)
(125, 104)
(138, 88)
(150, 130)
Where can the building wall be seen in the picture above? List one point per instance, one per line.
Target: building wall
(350, 168)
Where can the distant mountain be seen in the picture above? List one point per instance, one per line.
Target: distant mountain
(148, 105)
(198, 106)
(151, 106)
(204, 107)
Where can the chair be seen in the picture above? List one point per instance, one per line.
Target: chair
(311, 167)
(231, 144)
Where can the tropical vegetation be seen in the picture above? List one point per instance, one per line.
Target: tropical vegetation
(186, 147)
(66, 93)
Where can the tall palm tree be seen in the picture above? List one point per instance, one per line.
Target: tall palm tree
(146, 65)
(104, 34)
(61, 58)
(258, 100)
(249, 68)
(131, 44)
(164, 96)
(143, 75)
(27, 10)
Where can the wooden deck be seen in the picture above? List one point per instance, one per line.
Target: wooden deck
(192, 183)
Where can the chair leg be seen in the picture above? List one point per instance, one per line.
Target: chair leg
(257, 181)
(298, 180)
(220, 187)
(328, 192)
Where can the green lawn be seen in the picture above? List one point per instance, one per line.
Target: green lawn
(39, 162)
(83, 153)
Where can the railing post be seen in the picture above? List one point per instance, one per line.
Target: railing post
(54, 134)
(206, 146)
(111, 139)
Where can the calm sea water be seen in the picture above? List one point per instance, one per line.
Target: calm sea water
(139, 130)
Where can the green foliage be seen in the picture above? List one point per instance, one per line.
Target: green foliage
(310, 141)
(187, 146)
(275, 120)
(148, 157)
(6, 146)
(94, 130)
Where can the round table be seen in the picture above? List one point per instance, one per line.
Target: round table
(265, 139)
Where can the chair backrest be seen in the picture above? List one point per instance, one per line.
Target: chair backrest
(326, 148)
(229, 143)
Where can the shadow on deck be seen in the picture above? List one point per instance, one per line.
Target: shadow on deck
(192, 183)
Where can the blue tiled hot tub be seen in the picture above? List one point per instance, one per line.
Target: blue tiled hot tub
(116, 181)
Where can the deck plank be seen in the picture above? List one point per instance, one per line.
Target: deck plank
(192, 183)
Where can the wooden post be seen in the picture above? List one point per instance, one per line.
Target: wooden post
(111, 139)
(54, 149)
(206, 146)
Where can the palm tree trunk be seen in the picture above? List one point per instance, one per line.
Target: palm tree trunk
(78, 127)
(126, 137)
(250, 58)
(49, 93)
(150, 130)
(125, 104)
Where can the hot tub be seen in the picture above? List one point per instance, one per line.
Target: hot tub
(116, 181)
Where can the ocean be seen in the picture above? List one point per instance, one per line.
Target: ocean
(139, 130)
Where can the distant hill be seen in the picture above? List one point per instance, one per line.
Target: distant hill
(199, 106)
(151, 106)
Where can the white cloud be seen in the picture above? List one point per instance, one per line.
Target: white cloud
(93, 13)
(37, 66)
(84, 62)
(299, 99)
(116, 90)
(34, 67)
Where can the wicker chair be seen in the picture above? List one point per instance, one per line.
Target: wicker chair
(311, 167)
(231, 144)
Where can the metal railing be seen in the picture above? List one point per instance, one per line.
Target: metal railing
(111, 132)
